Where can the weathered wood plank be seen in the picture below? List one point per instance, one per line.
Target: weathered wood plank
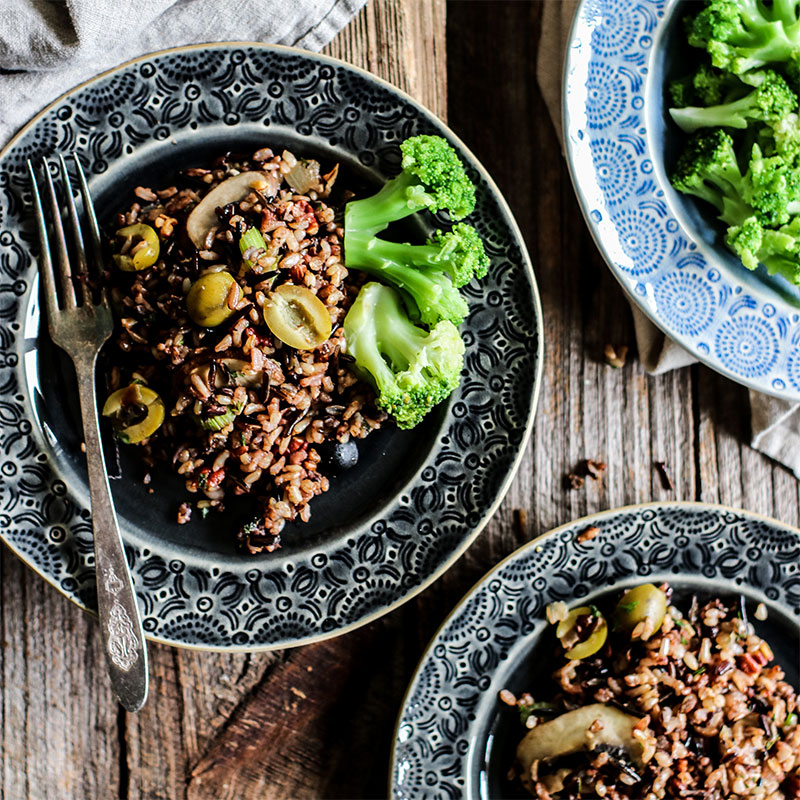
(58, 719)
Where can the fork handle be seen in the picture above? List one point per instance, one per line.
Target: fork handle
(120, 623)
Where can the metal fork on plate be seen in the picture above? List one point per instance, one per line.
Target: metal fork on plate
(80, 326)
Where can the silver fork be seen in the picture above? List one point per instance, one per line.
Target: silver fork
(79, 326)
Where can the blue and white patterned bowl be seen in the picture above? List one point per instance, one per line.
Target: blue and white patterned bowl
(387, 527)
(455, 739)
(665, 249)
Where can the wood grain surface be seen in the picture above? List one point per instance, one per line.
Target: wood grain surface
(317, 722)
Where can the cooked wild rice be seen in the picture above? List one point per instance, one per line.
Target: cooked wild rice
(300, 399)
(717, 719)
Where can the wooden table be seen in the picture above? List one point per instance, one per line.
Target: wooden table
(318, 721)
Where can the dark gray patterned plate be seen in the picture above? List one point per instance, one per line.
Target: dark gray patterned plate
(385, 529)
(451, 739)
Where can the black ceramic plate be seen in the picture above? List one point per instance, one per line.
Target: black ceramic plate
(453, 739)
(416, 499)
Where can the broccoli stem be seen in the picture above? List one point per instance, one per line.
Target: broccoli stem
(398, 198)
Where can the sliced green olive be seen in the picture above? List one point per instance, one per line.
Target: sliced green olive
(144, 248)
(572, 632)
(638, 604)
(207, 300)
(297, 317)
(135, 411)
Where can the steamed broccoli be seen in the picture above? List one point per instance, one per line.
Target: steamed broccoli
(708, 169)
(778, 250)
(412, 369)
(458, 252)
(741, 35)
(772, 186)
(771, 100)
(706, 87)
(432, 178)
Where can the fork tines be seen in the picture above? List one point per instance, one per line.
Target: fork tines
(73, 288)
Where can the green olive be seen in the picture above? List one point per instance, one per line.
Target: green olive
(207, 300)
(135, 411)
(637, 604)
(144, 249)
(297, 317)
(565, 632)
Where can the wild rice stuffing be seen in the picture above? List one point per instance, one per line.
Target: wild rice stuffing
(289, 400)
(714, 717)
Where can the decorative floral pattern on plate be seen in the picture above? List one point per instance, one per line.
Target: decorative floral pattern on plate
(442, 729)
(190, 596)
(740, 323)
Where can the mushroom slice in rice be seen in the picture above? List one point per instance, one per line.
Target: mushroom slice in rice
(204, 215)
(589, 728)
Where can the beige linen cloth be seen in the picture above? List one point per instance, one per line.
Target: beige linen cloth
(775, 423)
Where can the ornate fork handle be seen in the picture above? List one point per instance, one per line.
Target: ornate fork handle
(123, 637)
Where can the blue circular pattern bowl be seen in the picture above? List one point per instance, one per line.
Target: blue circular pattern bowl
(388, 526)
(664, 248)
(455, 739)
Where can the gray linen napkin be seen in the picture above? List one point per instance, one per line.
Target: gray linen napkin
(775, 423)
(48, 46)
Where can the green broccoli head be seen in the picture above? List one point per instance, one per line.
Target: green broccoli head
(772, 186)
(745, 241)
(432, 178)
(412, 369)
(778, 250)
(460, 252)
(708, 169)
(742, 35)
(770, 100)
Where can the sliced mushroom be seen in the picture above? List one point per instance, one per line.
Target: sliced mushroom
(204, 216)
(591, 728)
(242, 373)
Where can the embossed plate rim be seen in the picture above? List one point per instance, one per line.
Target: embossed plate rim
(589, 519)
(577, 140)
(515, 237)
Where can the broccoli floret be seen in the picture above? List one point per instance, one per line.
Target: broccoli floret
(741, 35)
(772, 186)
(778, 250)
(707, 87)
(770, 101)
(433, 178)
(708, 169)
(412, 369)
(458, 252)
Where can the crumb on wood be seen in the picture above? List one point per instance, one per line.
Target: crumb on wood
(587, 534)
(666, 478)
(573, 481)
(521, 521)
(309, 668)
(83, 447)
(616, 356)
(595, 469)
(298, 693)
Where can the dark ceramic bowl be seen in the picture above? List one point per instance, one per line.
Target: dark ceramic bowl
(455, 739)
(387, 527)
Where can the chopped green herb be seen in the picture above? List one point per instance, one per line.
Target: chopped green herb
(595, 611)
(241, 439)
(791, 719)
(628, 607)
(699, 671)
(684, 641)
(205, 511)
(771, 743)
(542, 709)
